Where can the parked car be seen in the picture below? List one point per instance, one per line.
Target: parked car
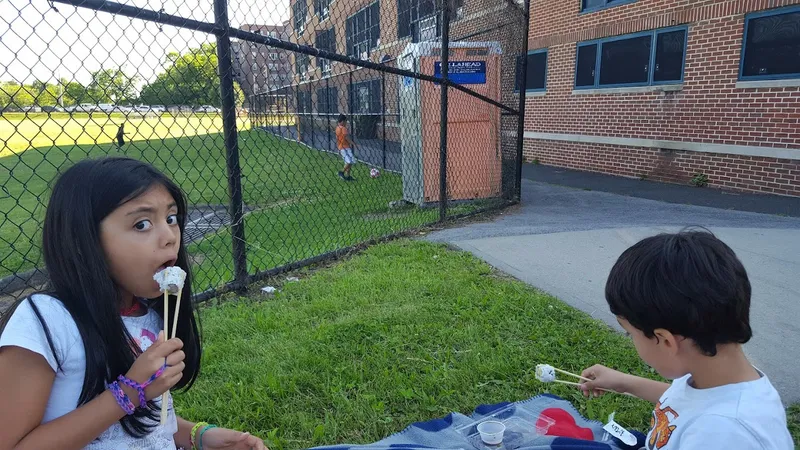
(105, 107)
(52, 109)
(158, 108)
(31, 109)
(208, 109)
(86, 107)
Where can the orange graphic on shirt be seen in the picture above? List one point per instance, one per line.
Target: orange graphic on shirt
(661, 430)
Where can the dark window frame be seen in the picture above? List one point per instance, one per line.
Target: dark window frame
(373, 30)
(330, 105)
(320, 6)
(653, 50)
(757, 15)
(517, 73)
(608, 4)
(374, 88)
(328, 42)
(298, 25)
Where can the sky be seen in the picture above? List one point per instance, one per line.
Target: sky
(37, 42)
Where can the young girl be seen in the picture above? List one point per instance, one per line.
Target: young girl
(83, 365)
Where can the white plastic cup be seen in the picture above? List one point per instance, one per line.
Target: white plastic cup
(491, 432)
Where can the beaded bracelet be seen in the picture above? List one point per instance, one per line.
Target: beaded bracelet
(202, 432)
(122, 398)
(141, 387)
(196, 427)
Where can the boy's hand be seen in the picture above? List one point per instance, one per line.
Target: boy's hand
(602, 377)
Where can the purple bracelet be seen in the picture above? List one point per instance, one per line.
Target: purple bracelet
(141, 387)
(122, 399)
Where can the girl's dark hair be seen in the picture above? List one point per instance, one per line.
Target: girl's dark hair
(342, 118)
(689, 283)
(80, 277)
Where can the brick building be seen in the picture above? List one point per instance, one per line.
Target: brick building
(378, 31)
(671, 90)
(259, 68)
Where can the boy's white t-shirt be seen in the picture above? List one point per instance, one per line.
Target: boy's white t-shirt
(741, 416)
(24, 330)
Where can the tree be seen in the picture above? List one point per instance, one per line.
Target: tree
(74, 93)
(15, 95)
(190, 79)
(46, 94)
(112, 86)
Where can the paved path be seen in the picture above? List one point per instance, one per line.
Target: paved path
(564, 241)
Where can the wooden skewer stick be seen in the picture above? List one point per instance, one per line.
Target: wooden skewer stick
(571, 374)
(599, 389)
(166, 323)
(175, 319)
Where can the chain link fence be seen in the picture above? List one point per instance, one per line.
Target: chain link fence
(239, 102)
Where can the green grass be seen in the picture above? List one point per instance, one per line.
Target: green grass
(299, 207)
(404, 332)
(793, 417)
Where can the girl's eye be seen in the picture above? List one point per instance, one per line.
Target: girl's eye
(172, 219)
(143, 225)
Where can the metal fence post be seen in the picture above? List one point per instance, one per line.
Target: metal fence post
(231, 144)
(383, 115)
(443, 113)
(521, 114)
(331, 109)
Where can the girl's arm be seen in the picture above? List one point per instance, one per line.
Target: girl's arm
(183, 434)
(27, 380)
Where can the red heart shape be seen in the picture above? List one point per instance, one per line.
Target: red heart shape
(564, 425)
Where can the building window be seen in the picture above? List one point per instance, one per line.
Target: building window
(328, 100)
(304, 102)
(273, 56)
(302, 63)
(420, 20)
(642, 59)
(595, 5)
(300, 10)
(365, 97)
(771, 48)
(322, 8)
(536, 75)
(363, 30)
(326, 40)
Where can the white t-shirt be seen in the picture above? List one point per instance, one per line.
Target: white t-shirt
(741, 416)
(24, 330)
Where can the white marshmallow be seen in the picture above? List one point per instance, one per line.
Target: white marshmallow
(545, 373)
(170, 279)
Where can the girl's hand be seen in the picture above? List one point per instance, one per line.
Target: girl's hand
(149, 362)
(225, 439)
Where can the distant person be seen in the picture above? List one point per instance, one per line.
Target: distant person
(346, 146)
(121, 135)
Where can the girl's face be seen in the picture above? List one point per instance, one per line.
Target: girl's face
(140, 238)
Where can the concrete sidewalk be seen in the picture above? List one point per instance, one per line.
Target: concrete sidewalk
(565, 240)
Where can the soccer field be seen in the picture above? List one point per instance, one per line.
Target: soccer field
(298, 208)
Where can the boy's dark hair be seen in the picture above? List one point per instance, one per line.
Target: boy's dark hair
(689, 283)
(342, 118)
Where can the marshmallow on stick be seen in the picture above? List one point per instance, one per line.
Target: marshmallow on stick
(547, 374)
(170, 281)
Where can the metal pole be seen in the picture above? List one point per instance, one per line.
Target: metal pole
(231, 144)
(521, 114)
(443, 114)
(331, 146)
(383, 115)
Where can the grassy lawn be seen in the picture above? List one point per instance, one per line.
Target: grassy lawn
(406, 331)
(298, 207)
(403, 332)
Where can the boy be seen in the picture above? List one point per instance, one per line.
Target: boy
(685, 301)
(346, 147)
